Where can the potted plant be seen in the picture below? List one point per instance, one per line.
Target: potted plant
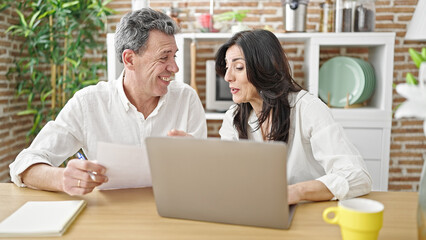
(57, 36)
(235, 17)
(414, 91)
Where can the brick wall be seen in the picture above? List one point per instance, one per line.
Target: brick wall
(408, 144)
(12, 127)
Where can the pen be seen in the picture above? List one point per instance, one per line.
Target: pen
(80, 156)
(92, 174)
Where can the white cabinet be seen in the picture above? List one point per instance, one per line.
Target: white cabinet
(368, 127)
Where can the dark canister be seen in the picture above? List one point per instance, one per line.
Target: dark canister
(365, 16)
(344, 15)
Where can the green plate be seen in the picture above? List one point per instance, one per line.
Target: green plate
(370, 80)
(338, 77)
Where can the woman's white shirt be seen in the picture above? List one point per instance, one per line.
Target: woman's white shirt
(317, 147)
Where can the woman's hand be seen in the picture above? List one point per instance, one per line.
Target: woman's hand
(293, 194)
(313, 190)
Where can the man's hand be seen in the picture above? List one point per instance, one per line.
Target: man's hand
(81, 176)
(178, 133)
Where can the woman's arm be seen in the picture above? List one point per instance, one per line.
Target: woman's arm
(346, 175)
(308, 191)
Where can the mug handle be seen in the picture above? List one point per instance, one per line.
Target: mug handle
(333, 220)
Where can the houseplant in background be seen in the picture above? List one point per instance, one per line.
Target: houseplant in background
(57, 36)
(234, 18)
(414, 90)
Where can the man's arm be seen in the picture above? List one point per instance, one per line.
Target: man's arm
(43, 176)
(36, 166)
(74, 179)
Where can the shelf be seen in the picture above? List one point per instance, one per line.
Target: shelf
(214, 116)
(332, 38)
(380, 55)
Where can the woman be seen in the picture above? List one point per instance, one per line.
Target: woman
(322, 164)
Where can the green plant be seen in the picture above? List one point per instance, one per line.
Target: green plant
(418, 58)
(231, 16)
(54, 64)
(5, 4)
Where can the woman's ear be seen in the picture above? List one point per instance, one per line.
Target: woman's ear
(128, 57)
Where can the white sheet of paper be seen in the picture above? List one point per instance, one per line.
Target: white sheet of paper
(127, 166)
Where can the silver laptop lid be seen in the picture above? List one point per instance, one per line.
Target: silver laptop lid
(241, 182)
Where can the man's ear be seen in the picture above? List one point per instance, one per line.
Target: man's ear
(128, 57)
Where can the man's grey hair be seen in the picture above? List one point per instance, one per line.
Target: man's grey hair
(133, 30)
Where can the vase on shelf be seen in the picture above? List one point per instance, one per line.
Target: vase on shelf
(239, 27)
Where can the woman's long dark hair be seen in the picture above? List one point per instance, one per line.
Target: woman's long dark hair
(269, 71)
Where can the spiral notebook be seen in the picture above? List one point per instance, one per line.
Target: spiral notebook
(41, 218)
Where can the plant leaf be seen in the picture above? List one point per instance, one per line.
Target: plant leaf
(417, 57)
(21, 18)
(89, 82)
(46, 95)
(410, 79)
(30, 100)
(4, 6)
(27, 112)
(74, 63)
(69, 4)
(36, 123)
(11, 28)
(33, 18)
(46, 13)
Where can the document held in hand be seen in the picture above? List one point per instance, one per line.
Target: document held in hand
(41, 218)
(127, 166)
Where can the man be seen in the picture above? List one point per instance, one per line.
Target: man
(142, 102)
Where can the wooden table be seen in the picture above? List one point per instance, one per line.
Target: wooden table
(131, 214)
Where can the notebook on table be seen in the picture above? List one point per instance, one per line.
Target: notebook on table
(242, 182)
(41, 218)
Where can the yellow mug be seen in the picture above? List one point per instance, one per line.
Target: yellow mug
(358, 218)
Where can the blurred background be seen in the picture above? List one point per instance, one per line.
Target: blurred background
(408, 142)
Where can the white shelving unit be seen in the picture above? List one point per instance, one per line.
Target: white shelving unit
(367, 127)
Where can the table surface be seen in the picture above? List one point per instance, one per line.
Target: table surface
(132, 214)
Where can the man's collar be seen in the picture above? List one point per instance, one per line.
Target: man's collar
(119, 84)
(120, 88)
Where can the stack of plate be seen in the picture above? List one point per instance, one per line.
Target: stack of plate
(343, 79)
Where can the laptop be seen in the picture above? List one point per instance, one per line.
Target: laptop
(234, 182)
